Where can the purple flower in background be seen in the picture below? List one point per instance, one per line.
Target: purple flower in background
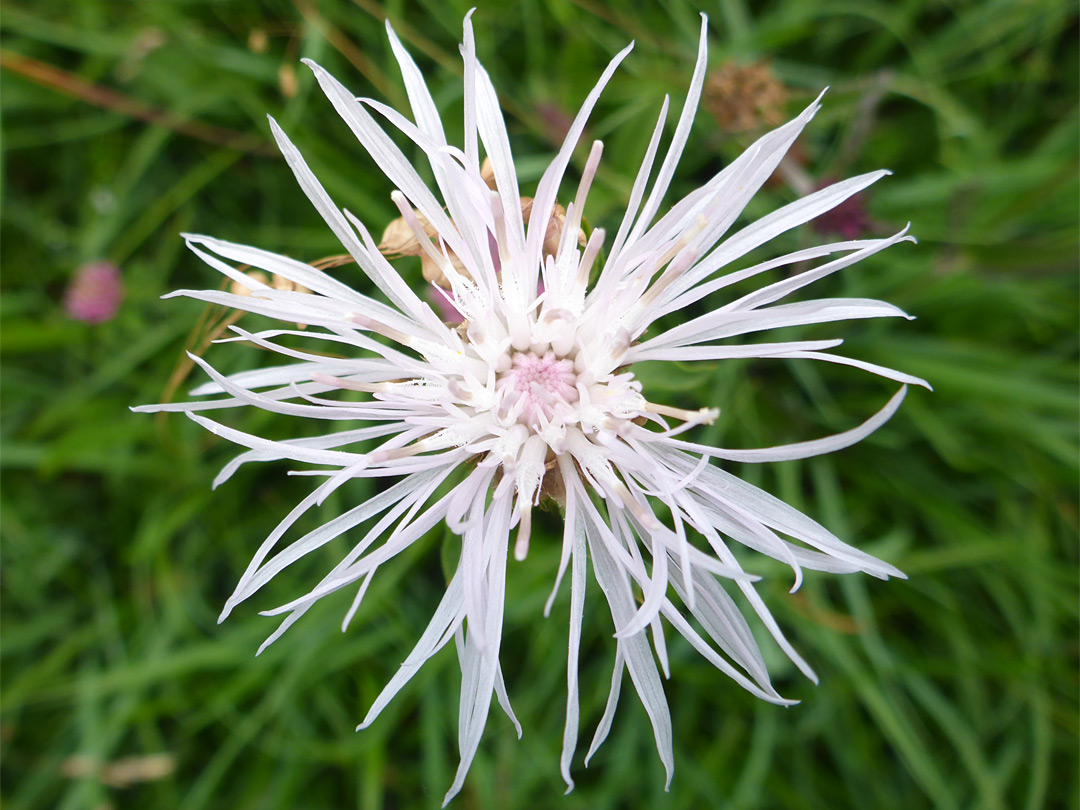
(95, 293)
(849, 219)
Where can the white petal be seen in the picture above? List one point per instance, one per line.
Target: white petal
(548, 187)
(577, 607)
(391, 284)
(604, 726)
(386, 154)
(404, 495)
(783, 288)
(280, 449)
(476, 689)
(696, 293)
(639, 659)
(873, 368)
(447, 618)
(638, 354)
(638, 190)
(719, 324)
(789, 452)
(783, 219)
(678, 140)
(492, 127)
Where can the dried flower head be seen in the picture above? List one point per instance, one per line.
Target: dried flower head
(535, 395)
(745, 98)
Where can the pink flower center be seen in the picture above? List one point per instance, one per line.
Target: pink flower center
(537, 385)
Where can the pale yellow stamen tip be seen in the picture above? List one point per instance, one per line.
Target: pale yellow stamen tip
(703, 416)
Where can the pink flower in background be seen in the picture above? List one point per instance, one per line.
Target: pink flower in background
(95, 293)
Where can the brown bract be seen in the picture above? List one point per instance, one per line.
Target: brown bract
(275, 281)
(399, 240)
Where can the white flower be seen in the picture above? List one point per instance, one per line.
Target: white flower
(535, 395)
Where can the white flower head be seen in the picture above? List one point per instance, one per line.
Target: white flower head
(535, 395)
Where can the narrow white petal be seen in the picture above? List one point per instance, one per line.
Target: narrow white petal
(405, 495)
(873, 368)
(638, 190)
(299, 273)
(447, 618)
(577, 607)
(391, 284)
(673, 303)
(604, 726)
(385, 153)
(678, 140)
(783, 219)
(476, 693)
(570, 527)
(639, 354)
(492, 127)
(548, 187)
(639, 659)
(719, 324)
(789, 452)
(270, 376)
(783, 288)
(504, 700)
(280, 449)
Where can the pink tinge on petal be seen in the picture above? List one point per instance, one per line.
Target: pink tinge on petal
(447, 311)
(95, 293)
(445, 306)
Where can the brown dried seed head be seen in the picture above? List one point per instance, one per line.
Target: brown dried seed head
(744, 98)
(398, 238)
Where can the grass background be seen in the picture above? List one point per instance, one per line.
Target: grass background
(954, 689)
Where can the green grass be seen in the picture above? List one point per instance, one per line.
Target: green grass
(954, 689)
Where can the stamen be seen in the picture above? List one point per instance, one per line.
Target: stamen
(499, 215)
(521, 545)
(443, 262)
(529, 475)
(592, 249)
(372, 325)
(351, 385)
(587, 176)
(568, 237)
(645, 517)
(379, 456)
(441, 440)
(683, 241)
(562, 327)
(703, 416)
